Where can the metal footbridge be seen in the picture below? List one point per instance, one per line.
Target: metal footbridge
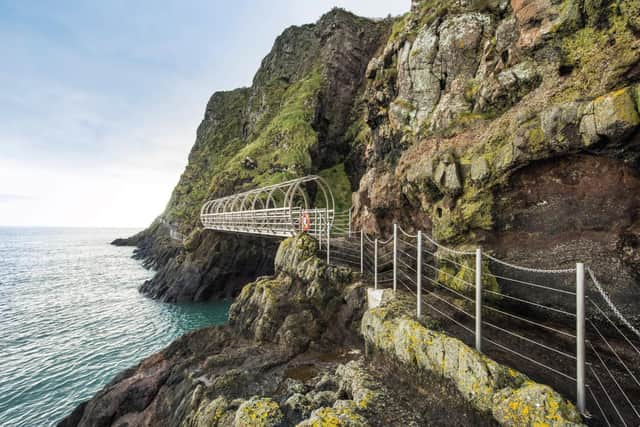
(279, 210)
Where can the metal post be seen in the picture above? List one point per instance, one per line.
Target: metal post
(375, 264)
(350, 222)
(395, 256)
(580, 333)
(361, 252)
(479, 299)
(419, 276)
(328, 240)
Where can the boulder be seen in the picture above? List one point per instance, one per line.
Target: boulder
(259, 412)
(487, 385)
(615, 115)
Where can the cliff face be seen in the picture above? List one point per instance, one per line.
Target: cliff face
(509, 125)
(291, 122)
(513, 125)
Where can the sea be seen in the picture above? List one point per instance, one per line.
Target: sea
(71, 318)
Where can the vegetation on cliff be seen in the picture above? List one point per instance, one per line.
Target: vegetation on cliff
(291, 122)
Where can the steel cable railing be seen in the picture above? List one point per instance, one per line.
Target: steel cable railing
(528, 317)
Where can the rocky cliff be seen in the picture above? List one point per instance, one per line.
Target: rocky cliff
(484, 122)
(291, 122)
(292, 354)
(511, 125)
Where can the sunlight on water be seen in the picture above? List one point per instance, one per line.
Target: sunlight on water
(71, 318)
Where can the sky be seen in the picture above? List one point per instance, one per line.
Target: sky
(100, 101)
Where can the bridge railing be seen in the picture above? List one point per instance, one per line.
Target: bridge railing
(556, 325)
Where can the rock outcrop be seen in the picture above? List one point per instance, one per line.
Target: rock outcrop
(290, 354)
(511, 397)
(510, 125)
(293, 354)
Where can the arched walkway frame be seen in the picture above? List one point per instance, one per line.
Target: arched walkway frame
(276, 210)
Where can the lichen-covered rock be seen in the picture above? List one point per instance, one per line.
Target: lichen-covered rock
(297, 407)
(533, 404)
(216, 413)
(259, 412)
(344, 417)
(357, 383)
(615, 115)
(487, 385)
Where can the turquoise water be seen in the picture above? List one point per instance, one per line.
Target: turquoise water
(71, 318)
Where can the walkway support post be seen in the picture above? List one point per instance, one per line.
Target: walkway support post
(479, 299)
(328, 242)
(375, 264)
(580, 336)
(350, 221)
(395, 256)
(419, 275)
(361, 252)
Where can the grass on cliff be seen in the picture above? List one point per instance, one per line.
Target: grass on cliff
(281, 149)
(600, 57)
(215, 144)
(338, 180)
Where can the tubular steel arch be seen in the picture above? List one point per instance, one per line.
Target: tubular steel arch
(275, 210)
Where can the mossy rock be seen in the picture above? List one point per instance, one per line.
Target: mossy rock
(259, 412)
(615, 114)
(485, 384)
(472, 211)
(459, 274)
(534, 405)
(338, 181)
(332, 417)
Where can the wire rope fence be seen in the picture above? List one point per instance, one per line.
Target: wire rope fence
(558, 326)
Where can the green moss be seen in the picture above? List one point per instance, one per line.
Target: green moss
(471, 90)
(630, 10)
(398, 28)
(473, 211)
(600, 57)
(359, 133)
(213, 147)
(283, 144)
(458, 272)
(621, 103)
(339, 183)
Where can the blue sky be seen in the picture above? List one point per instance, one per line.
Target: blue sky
(99, 101)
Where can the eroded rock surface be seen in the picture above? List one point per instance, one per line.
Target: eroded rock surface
(512, 398)
(290, 355)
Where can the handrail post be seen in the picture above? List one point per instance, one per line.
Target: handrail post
(361, 252)
(479, 299)
(375, 263)
(350, 221)
(419, 275)
(580, 337)
(395, 256)
(328, 240)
